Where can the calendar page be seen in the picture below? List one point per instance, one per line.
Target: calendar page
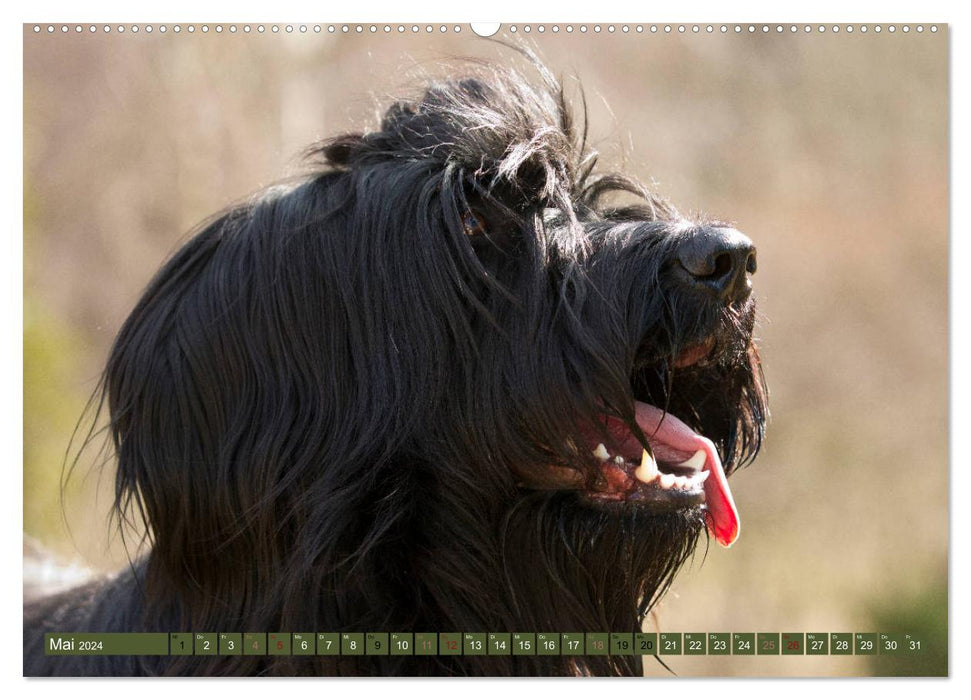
(513, 349)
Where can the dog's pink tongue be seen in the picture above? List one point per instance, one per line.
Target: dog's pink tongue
(661, 427)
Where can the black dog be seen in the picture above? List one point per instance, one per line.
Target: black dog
(448, 383)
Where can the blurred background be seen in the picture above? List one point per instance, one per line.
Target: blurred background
(830, 151)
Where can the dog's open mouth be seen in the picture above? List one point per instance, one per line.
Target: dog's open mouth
(682, 468)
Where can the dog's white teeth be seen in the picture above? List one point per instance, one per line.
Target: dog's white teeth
(601, 453)
(647, 471)
(619, 460)
(695, 461)
(681, 483)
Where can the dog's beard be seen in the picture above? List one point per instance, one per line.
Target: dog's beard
(590, 569)
(563, 567)
(721, 394)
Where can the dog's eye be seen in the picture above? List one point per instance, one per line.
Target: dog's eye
(473, 223)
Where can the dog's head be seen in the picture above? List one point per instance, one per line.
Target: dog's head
(583, 345)
(456, 344)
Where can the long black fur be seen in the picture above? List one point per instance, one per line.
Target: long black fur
(336, 407)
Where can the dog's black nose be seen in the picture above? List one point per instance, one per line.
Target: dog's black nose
(719, 259)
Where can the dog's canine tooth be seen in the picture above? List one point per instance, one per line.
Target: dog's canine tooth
(601, 453)
(647, 471)
(700, 478)
(695, 461)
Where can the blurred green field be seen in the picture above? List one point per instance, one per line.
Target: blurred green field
(831, 152)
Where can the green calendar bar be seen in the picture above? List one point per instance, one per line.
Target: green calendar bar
(106, 644)
(481, 643)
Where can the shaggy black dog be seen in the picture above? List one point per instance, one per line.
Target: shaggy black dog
(456, 380)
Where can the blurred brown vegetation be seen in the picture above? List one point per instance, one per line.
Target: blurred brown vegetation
(831, 152)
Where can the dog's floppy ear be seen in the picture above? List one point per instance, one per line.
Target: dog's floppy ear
(396, 113)
(342, 150)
